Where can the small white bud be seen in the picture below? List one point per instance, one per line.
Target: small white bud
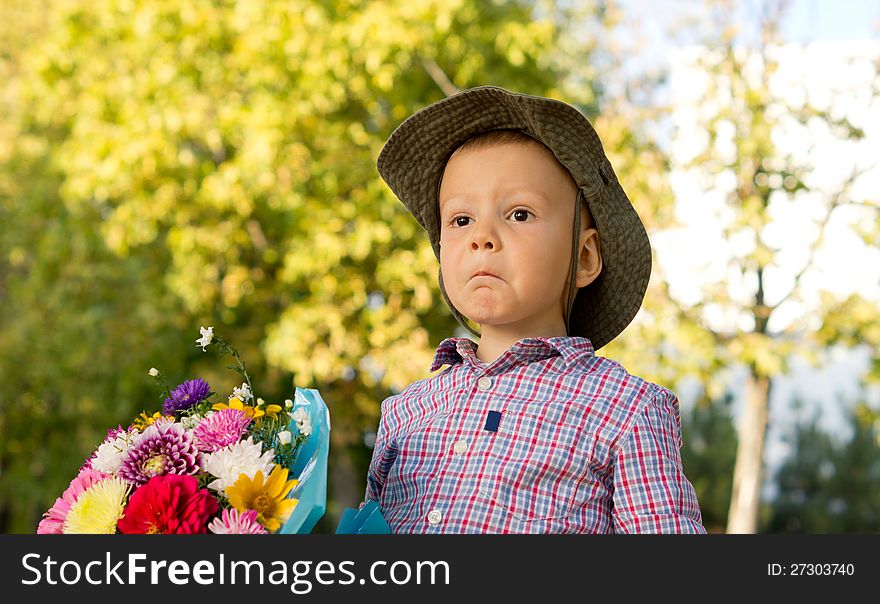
(284, 437)
(207, 337)
(154, 372)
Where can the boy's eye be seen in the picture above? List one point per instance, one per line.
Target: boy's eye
(458, 221)
(521, 215)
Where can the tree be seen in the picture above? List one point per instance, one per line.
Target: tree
(744, 112)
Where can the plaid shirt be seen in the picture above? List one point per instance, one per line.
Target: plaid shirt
(582, 446)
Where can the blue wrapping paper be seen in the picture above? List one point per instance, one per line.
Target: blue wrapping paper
(310, 467)
(366, 521)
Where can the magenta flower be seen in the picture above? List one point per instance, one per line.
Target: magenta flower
(233, 522)
(114, 432)
(169, 505)
(53, 520)
(163, 448)
(220, 429)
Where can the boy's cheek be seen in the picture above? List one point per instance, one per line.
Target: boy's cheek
(448, 236)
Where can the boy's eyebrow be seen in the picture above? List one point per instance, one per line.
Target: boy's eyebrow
(516, 189)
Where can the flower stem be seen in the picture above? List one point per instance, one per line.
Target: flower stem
(226, 347)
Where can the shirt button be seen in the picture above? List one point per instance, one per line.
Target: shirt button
(434, 517)
(460, 446)
(484, 383)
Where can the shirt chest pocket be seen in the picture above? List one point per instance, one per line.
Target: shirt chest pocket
(537, 461)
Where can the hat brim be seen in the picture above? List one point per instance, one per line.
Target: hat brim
(414, 158)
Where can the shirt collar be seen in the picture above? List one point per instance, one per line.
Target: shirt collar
(571, 348)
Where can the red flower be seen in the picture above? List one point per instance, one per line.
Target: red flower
(169, 504)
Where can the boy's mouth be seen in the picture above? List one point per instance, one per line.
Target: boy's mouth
(484, 274)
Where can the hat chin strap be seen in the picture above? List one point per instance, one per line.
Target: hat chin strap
(575, 248)
(572, 290)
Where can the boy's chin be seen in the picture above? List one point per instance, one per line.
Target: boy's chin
(482, 314)
(490, 320)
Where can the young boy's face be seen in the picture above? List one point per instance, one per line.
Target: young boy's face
(507, 210)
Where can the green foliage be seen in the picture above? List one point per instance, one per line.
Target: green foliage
(166, 164)
(829, 484)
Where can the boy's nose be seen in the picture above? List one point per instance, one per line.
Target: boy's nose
(483, 237)
(477, 244)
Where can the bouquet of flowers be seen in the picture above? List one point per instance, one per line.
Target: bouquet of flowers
(203, 464)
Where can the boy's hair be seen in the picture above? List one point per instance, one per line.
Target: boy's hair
(515, 137)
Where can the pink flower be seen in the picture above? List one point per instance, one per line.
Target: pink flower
(53, 520)
(164, 448)
(220, 429)
(233, 522)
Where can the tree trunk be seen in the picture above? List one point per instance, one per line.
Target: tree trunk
(748, 472)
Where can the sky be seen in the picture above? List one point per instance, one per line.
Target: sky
(811, 20)
(822, 34)
(806, 20)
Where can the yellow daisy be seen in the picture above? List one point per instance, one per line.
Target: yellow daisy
(269, 499)
(235, 403)
(271, 410)
(141, 422)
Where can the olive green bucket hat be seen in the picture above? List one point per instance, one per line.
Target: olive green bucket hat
(413, 159)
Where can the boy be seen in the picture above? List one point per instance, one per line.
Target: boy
(529, 431)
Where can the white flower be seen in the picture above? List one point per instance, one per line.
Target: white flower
(207, 337)
(108, 457)
(243, 394)
(154, 372)
(303, 420)
(244, 457)
(288, 403)
(284, 437)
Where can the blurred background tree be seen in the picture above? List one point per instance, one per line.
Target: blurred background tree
(765, 176)
(740, 112)
(172, 164)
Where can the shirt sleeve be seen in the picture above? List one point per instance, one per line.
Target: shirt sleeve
(384, 454)
(651, 492)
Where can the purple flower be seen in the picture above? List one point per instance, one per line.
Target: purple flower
(187, 394)
(220, 429)
(163, 448)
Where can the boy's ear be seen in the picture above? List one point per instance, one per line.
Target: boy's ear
(590, 259)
